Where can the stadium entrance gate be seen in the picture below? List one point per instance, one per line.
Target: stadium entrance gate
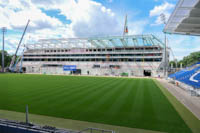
(147, 72)
(76, 72)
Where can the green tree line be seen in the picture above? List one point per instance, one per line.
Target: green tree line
(187, 60)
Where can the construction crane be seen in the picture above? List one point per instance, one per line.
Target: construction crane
(12, 67)
(19, 61)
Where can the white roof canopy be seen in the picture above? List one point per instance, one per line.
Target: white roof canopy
(185, 19)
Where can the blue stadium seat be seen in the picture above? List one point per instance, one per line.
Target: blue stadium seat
(186, 74)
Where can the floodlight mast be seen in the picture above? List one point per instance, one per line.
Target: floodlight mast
(163, 19)
(12, 64)
(3, 32)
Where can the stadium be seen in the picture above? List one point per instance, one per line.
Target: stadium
(103, 84)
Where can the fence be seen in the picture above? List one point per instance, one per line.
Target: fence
(95, 130)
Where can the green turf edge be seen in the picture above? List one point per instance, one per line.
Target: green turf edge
(68, 123)
(189, 118)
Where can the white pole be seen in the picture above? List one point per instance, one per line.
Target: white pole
(3, 31)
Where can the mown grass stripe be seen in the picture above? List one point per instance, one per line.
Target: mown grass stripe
(134, 103)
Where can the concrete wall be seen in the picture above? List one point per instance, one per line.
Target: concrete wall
(132, 68)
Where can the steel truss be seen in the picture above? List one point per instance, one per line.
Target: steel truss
(97, 42)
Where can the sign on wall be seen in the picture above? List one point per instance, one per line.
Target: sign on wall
(69, 68)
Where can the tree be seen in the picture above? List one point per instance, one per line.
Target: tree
(172, 63)
(7, 58)
(190, 59)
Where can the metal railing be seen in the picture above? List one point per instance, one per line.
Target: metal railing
(92, 130)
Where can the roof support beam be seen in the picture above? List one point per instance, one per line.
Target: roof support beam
(144, 41)
(162, 44)
(148, 41)
(112, 41)
(135, 42)
(103, 43)
(152, 42)
(94, 43)
(123, 42)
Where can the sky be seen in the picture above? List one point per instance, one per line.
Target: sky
(88, 18)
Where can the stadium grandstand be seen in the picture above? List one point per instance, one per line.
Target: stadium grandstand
(189, 76)
(133, 55)
(185, 20)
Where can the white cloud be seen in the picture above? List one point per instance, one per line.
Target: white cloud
(164, 8)
(15, 14)
(137, 27)
(10, 43)
(4, 19)
(88, 18)
(38, 19)
(49, 4)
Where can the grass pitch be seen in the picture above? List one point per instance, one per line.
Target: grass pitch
(135, 103)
